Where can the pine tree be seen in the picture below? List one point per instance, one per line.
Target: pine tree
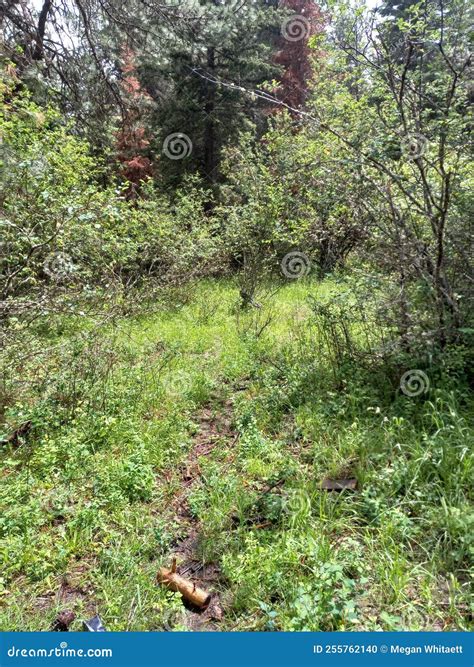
(294, 53)
(132, 142)
(196, 78)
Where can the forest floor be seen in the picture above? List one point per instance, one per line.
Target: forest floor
(194, 434)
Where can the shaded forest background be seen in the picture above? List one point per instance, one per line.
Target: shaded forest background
(226, 136)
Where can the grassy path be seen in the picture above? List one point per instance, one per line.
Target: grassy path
(214, 431)
(185, 435)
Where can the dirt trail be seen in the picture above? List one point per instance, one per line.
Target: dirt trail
(215, 429)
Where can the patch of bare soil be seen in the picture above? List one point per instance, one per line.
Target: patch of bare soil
(215, 427)
(72, 593)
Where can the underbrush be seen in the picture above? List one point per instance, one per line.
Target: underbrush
(395, 553)
(98, 425)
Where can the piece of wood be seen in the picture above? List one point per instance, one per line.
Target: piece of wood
(265, 524)
(190, 592)
(339, 484)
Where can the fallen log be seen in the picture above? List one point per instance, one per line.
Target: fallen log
(190, 592)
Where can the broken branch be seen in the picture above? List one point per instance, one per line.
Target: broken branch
(190, 592)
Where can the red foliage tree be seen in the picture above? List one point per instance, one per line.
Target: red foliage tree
(294, 54)
(131, 140)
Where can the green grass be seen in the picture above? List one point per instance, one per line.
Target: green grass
(88, 496)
